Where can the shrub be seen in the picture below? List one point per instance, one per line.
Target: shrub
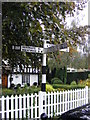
(18, 85)
(49, 88)
(9, 92)
(88, 82)
(73, 83)
(25, 86)
(66, 87)
(88, 75)
(55, 79)
(82, 82)
(57, 82)
(28, 84)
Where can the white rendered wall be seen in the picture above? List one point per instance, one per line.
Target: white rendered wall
(17, 78)
(33, 78)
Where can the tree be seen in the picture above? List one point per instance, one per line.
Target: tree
(28, 23)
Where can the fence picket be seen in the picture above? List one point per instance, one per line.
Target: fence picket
(24, 105)
(48, 104)
(51, 104)
(68, 100)
(36, 105)
(60, 102)
(16, 106)
(12, 107)
(32, 104)
(7, 106)
(75, 99)
(57, 103)
(20, 106)
(65, 100)
(3, 107)
(28, 106)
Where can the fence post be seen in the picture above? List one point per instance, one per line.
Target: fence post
(40, 103)
(86, 94)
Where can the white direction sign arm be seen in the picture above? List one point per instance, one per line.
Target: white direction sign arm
(30, 49)
(55, 48)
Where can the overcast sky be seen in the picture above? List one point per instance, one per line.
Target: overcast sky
(80, 19)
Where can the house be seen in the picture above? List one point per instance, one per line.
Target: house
(27, 75)
(19, 76)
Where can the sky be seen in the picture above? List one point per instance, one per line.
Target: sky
(80, 19)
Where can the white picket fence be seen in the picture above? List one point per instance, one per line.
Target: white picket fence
(53, 104)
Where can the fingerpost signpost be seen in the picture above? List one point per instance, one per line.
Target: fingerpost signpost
(47, 48)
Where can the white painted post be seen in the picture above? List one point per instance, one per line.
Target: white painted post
(40, 103)
(86, 94)
(43, 86)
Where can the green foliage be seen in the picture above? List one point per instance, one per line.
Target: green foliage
(88, 75)
(22, 25)
(88, 82)
(73, 83)
(6, 92)
(61, 73)
(84, 82)
(24, 90)
(66, 87)
(65, 75)
(49, 88)
(77, 76)
(56, 80)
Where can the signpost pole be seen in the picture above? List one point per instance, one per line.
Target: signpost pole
(43, 86)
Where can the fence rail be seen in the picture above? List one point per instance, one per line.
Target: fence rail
(31, 106)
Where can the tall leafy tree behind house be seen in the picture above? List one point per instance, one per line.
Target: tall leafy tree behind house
(29, 23)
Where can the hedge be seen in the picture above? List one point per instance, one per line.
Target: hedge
(77, 76)
(66, 87)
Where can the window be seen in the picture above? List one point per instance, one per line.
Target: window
(25, 78)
